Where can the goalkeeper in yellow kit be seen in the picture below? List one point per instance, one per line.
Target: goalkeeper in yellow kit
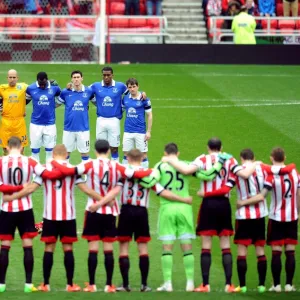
(12, 107)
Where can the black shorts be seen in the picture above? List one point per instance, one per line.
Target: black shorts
(99, 227)
(214, 218)
(133, 220)
(250, 232)
(23, 220)
(65, 230)
(282, 233)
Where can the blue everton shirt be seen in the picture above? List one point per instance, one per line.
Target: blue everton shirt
(109, 99)
(135, 121)
(76, 108)
(43, 102)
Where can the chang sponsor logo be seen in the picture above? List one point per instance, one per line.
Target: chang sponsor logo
(43, 100)
(131, 113)
(107, 101)
(78, 105)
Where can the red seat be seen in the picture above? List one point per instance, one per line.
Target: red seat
(31, 22)
(286, 24)
(117, 8)
(279, 9)
(138, 22)
(153, 23)
(273, 24)
(118, 23)
(30, 32)
(45, 22)
(17, 32)
(2, 22)
(14, 22)
(298, 24)
(219, 23)
(287, 30)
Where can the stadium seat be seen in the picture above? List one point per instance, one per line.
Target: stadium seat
(298, 24)
(117, 8)
(29, 32)
(137, 22)
(118, 23)
(17, 33)
(14, 22)
(32, 22)
(273, 24)
(45, 22)
(3, 22)
(153, 23)
(287, 31)
(286, 24)
(279, 9)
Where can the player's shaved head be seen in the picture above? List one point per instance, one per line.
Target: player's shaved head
(135, 155)
(171, 148)
(102, 147)
(60, 151)
(12, 77)
(247, 154)
(278, 154)
(14, 143)
(214, 144)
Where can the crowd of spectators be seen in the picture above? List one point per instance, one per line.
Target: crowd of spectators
(265, 8)
(67, 7)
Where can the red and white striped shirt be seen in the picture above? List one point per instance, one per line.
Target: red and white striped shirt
(102, 176)
(284, 196)
(59, 199)
(248, 188)
(17, 169)
(206, 162)
(134, 194)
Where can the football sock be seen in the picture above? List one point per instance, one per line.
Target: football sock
(188, 261)
(125, 161)
(145, 163)
(92, 265)
(109, 266)
(276, 266)
(290, 265)
(262, 269)
(47, 266)
(69, 266)
(227, 264)
(28, 263)
(35, 153)
(85, 158)
(167, 264)
(4, 260)
(242, 269)
(115, 156)
(48, 153)
(144, 268)
(124, 269)
(205, 263)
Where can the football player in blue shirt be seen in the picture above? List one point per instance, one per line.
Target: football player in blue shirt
(76, 126)
(108, 99)
(42, 125)
(135, 133)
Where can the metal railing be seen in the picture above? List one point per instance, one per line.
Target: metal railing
(217, 34)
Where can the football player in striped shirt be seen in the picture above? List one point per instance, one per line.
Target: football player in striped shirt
(215, 212)
(283, 219)
(133, 219)
(16, 169)
(102, 176)
(59, 217)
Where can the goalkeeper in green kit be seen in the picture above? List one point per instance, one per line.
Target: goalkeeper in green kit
(175, 219)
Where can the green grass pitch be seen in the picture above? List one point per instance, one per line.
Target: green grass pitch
(246, 106)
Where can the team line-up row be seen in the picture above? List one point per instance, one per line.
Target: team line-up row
(109, 96)
(218, 172)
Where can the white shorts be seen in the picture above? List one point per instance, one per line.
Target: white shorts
(134, 140)
(79, 140)
(42, 135)
(108, 129)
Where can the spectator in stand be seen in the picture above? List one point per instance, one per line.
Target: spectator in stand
(151, 4)
(266, 8)
(233, 10)
(84, 7)
(243, 26)
(251, 7)
(290, 6)
(134, 4)
(214, 7)
(226, 4)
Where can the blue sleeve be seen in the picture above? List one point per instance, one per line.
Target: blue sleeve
(147, 103)
(124, 89)
(260, 6)
(91, 94)
(61, 98)
(272, 10)
(58, 91)
(28, 90)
